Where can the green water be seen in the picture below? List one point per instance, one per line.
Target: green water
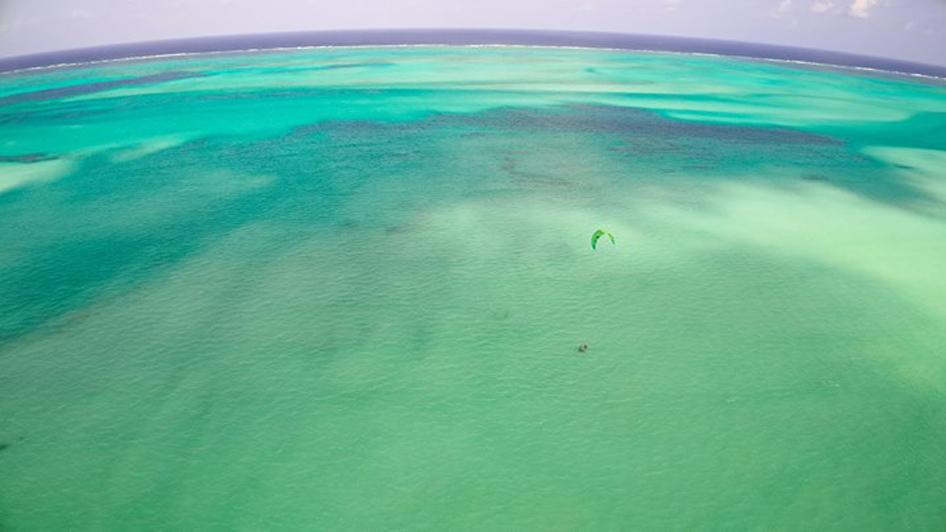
(344, 289)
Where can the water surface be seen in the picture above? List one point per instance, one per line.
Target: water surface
(345, 289)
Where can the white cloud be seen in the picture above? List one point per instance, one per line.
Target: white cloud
(783, 6)
(822, 6)
(9, 24)
(861, 8)
(670, 4)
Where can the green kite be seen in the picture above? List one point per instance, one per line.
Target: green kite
(598, 234)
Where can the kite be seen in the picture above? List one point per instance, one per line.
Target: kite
(598, 234)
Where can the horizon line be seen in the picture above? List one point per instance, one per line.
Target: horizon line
(459, 37)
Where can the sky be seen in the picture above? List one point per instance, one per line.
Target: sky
(912, 30)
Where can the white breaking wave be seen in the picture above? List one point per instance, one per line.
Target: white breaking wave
(495, 45)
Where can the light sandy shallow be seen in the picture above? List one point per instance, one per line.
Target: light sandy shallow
(280, 296)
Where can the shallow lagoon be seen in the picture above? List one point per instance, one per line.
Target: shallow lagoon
(345, 289)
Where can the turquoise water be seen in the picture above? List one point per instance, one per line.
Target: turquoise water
(344, 289)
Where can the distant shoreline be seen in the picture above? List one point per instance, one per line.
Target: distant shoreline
(368, 38)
